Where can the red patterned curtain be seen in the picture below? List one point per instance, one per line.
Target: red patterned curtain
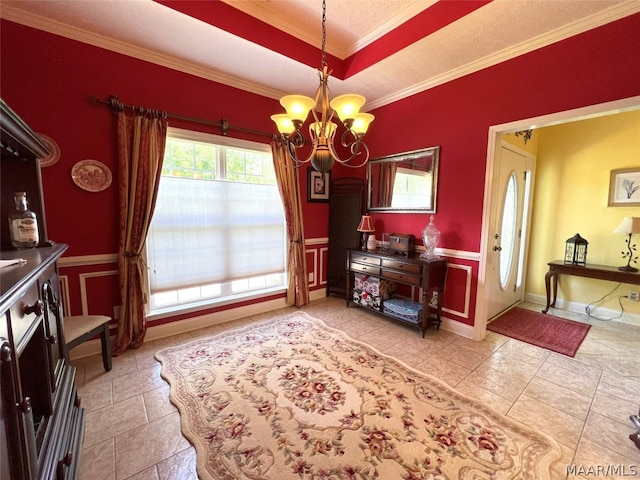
(141, 144)
(289, 185)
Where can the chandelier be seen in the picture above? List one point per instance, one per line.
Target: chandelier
(322, 131)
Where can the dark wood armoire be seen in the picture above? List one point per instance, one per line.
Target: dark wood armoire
(345, 210)
(41, 421)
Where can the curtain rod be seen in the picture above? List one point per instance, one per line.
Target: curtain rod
(224, 125)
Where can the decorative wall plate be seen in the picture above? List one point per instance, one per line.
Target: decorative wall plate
(91, 175)
(52, 158)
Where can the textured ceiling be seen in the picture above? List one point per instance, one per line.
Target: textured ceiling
(351, 24)
(492, 33)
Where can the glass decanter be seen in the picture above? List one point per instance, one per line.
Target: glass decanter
(430, 238)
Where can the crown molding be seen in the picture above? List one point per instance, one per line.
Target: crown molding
(609, 15)
(101, 41)
(265, 13)
(391, 24)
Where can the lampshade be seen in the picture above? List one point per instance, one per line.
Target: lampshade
(348, 106)
(366, 225)
(629, 225)
(361, 123)
(316, 128)
(297, 106)
(283, 123)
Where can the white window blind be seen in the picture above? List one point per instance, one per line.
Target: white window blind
(213, 231)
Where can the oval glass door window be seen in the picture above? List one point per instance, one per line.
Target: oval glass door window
(508, 230)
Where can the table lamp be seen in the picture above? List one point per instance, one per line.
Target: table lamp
(629, 226)
(366, 226)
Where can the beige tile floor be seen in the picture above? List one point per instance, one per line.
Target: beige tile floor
(133, 431)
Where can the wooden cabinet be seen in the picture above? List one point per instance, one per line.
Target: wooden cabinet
(411, 270)
(20, 149)
(41, 422)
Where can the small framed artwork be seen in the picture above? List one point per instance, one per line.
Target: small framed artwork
(318, 185)
(624, 187)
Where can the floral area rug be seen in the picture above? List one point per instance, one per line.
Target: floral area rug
(291, 398)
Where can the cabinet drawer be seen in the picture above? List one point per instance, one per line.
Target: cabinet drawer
(405, 267)
(23, 314)
(402, 277)
(368, 269)
(364, 258)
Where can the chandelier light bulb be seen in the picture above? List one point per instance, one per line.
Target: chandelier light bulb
(361, 123)
(283, 123)
(297, 106)
(348, 106)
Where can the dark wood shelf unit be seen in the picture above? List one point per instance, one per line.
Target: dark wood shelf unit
(41, 420)
(428, 275)
(345, 210)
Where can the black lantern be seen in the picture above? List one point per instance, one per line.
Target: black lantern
(575, 252)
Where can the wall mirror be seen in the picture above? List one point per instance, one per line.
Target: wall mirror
(404, 182)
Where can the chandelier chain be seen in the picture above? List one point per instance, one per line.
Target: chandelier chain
(324, 32)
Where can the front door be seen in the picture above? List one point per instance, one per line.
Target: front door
(510, 229)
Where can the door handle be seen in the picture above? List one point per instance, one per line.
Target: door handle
(497, 249)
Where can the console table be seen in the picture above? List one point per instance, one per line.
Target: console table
(429, 275)
(600, 272)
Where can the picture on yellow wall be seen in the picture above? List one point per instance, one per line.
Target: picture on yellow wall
(624, 187)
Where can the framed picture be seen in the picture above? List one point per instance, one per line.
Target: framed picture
(318, 185)
(624, 187)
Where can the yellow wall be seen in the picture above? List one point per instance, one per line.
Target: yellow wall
(574, 162)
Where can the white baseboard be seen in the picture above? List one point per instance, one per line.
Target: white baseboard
(458, 328)
(93, 347)
(576, 307)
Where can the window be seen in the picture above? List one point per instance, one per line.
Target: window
(508, 230)
(411, 188)
(218, 232)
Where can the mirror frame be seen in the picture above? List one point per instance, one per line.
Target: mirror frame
(402, 157)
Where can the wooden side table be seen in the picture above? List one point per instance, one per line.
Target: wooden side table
(600, 272)
(428, 275)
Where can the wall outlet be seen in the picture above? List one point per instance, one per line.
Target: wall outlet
(634, 295)
(116, 312)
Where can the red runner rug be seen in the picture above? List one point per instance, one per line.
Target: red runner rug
(543, 330)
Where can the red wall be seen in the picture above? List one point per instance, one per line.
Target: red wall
(47, 79)
(598, 66)
(595, 67)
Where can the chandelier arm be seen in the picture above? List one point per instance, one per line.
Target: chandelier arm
(347, 142)
(293, 154)
(360, 149)
(292, 149)
(296, 139)
(357, 147)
